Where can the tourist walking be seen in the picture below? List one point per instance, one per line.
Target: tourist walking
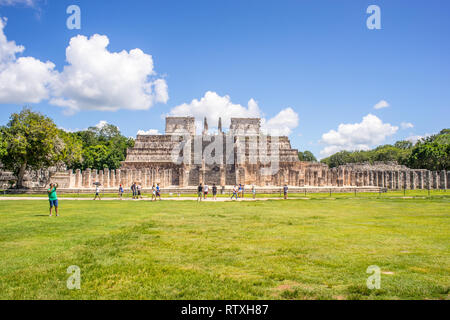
(214, 191)
(97, 192)
(199, 192)
(53, 198)
(254, 191)
(205, 191)
(133, 190)
(285, 191)
(158, 191)
(234, 192)
(138, 189)
(120, 192)
(153, 192)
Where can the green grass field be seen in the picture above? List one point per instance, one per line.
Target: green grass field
(295, 249)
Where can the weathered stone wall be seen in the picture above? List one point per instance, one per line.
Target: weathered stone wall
(304, 174)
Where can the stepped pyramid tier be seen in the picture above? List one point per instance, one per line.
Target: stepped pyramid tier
(221, 158)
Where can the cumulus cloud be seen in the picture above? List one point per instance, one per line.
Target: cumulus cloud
(212, 106)
(150, 132)
(282, 124)
(358, 136)
(415, 138)
(382, 104)
(97, 79)
(406, 125)
(93, 79)
(23, 79)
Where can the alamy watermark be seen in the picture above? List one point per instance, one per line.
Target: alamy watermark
(374, 281)
(74, 280)
(74, 20)
(374, 20)
(232, 148)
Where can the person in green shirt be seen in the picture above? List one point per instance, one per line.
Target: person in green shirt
(53, 198)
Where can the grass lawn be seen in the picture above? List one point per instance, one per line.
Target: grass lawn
(295, 249)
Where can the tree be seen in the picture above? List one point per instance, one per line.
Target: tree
(337, 159)
(32, 143)
(95, 157)
(103, 147)
(71, 153)
(2, 146)
(404, 144)
(306, 156)
(430, 155)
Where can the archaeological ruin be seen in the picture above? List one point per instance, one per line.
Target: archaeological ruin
(180, 159)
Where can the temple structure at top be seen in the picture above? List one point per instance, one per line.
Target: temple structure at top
(242, 155)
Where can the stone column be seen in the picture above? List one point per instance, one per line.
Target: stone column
(448, 180)
(434, 180)
(428, 179)
(88, 178)
(100, 178)
(112, 179)
(78, 178)
(398, 180)
(443, 180)
(106, 177)
(418, 179)
(118, 177)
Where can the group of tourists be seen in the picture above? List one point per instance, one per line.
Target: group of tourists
(136, 190)
(202, 191)
(238, 191)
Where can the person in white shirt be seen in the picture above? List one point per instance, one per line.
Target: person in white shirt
(234, 193)
(205, 191)
(97, 192)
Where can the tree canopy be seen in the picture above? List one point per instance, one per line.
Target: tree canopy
(102, 147)
(34, 142)
(432, 153)
(306, 156)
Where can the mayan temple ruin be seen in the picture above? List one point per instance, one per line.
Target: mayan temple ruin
(181, 159)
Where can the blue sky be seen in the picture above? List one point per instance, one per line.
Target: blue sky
(312, 68)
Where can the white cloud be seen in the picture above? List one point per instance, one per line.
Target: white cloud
(382, 104)
(212, 106)
(24, 79)
(358, 136)
(150, 132)
(101, 124)
(282, 124)
(415, 138)
(97, 79)
(93, 79)
(406, 125)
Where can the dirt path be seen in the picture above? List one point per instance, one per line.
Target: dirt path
(128, 199)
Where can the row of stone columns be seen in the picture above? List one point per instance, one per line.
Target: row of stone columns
(126, 177)
(391, 179)
(339, 177)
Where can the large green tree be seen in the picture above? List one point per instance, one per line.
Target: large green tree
(2, 146)
(103, 147)
(306, 156)
(432, 153)
(33, 142)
